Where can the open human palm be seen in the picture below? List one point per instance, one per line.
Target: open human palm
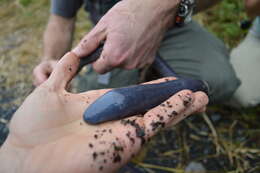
(48, 134)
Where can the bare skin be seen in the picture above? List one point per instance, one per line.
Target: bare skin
(57, 41)
(48, 135)
(129, 26)
(132, 29)
(253, 7)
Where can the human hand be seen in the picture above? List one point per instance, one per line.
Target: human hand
(132, 31)
(48, 135)
(42, 71)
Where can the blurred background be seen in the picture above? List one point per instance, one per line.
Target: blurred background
(221, 140)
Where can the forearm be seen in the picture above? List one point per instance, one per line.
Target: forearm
(57, 37)
(165, 12)
(202, 5)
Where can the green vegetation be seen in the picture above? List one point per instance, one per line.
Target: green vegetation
(224, 20)
(25, 2)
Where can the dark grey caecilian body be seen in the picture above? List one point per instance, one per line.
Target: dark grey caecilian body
(134, 100)
(124, 102)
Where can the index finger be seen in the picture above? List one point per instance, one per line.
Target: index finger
(90, 41)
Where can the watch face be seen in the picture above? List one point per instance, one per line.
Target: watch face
(185, 12)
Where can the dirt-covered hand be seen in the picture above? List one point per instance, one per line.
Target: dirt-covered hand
(48, 135)
(42, 71)
(132, 31)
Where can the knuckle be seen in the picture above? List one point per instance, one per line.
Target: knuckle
(116, 60)
(94, 38)
(131, 65)
(150, 61)
(99, 70)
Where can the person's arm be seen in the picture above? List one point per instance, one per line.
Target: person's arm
(132, 31)
(202, 5)
(57, 40)
(253, 7)
(58, 36)
(47, 134)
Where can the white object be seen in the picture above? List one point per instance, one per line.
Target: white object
(246, 62)
(195, 167)
(104, 78)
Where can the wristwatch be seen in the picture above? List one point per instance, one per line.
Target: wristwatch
(184, 12)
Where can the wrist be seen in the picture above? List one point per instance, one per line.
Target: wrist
(166, 11)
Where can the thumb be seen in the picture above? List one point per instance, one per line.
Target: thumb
(64, 71)
(39, 77)
(41, 73)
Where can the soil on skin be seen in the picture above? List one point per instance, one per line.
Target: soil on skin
(223, 139)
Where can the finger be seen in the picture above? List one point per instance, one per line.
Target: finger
(113, 54)
(64, 71)
(167, 114)
(135, 131)
(162, 115)
(102, 64)
(39, 78)
(91, 41)
(200, 102)
(202, 110)
(40, 75)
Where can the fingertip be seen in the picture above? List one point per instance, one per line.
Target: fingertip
(199, 104)
(202, 98)
(90, 41)
(64, 70)
(101, 65)
(162, 115)
(39, 77)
